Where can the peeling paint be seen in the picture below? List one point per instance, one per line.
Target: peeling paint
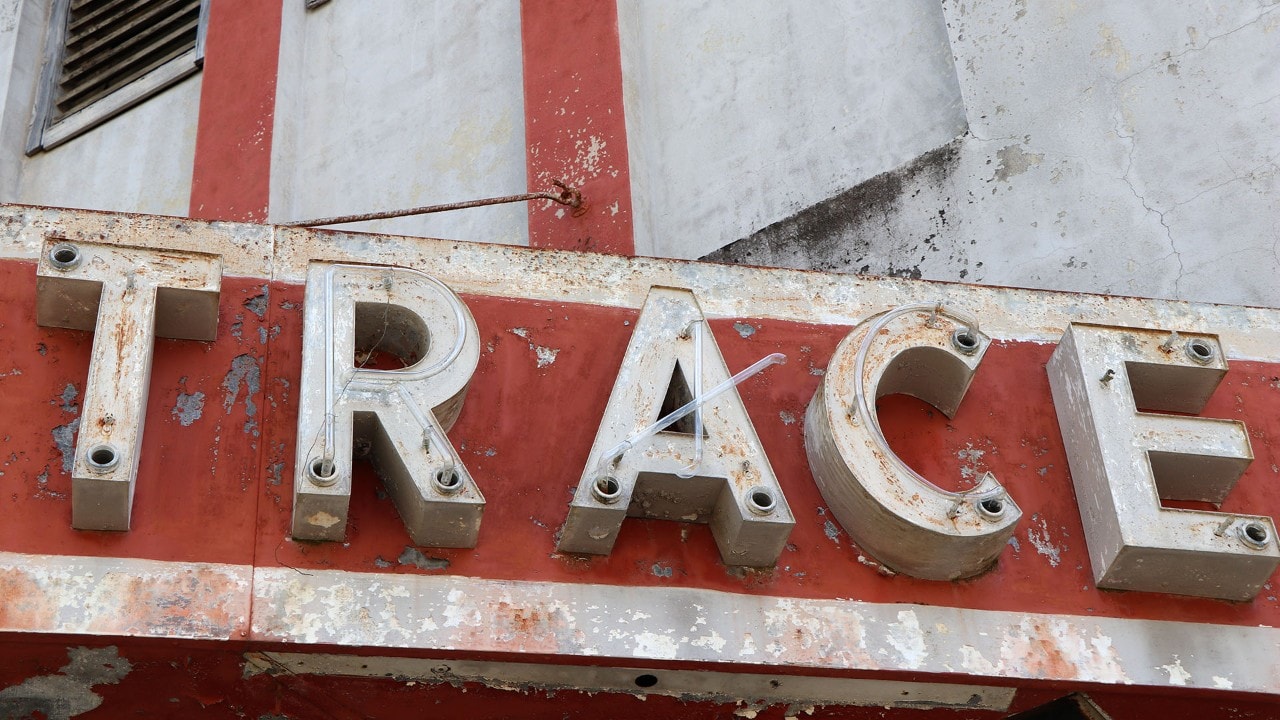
(907, 638)
(1014, 161)
(70, 692)
(188, 407)
(64, 438)
(1043, 544)
(258, 303)
(68, 399)
(244, 371)
(1177, 674)
(545, 355)
(413, 556)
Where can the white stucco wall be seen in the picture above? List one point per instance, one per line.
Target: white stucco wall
(739, 114)
(1140, 141)
(404, 105)
(22, 25)
(139, 161)
(1121, 148)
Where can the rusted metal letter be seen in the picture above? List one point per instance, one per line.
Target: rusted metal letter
(894, 514)
(1123, 461)
(709, 468)
(356, 315)
(126, 296)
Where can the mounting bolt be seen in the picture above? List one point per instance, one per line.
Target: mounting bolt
(446, 481)
(606, 489)
(1255, 535)
(991, 509)
(322, 471)
(965, 341)
(64, 256)
(760, 501)
(102, 458)
(1200, 351)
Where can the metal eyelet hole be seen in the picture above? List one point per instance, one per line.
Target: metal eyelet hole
(322, 471)
(1200, 351)
(965, 341)
(1255, 535)
(606, 489)
(646, 680)
(64, 256)
(102, 458)
(447, 481)
(991, 509)
(760, 501)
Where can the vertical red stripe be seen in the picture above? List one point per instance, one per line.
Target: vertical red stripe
(232, 175)
(575, 128)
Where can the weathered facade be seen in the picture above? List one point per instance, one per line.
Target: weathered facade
(1072, 147)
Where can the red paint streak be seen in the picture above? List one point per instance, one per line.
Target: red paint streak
(575, 129)
(232, 175)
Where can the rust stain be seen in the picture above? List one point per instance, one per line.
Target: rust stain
(1046, 657)
(23, 603)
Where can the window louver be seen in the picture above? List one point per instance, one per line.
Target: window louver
(110, 43)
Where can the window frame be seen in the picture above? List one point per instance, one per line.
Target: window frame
(45, 134)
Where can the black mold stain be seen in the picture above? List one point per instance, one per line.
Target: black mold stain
(824, 236)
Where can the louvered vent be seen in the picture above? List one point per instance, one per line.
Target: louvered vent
(110, 43)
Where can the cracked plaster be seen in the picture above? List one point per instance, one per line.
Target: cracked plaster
(1145, 158)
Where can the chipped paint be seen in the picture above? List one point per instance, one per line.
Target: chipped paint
(448, 613)
(545, 355)
(64, 438)
(188, 407)
(1178, 675)
(69, 692)
(707, 626)
(1041, 541)
(125, 597)
(258, 303)
(244, 372)
(414, 557)
(1013, 160)
(516, 272)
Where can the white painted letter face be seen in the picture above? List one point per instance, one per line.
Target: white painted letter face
(710, 469)
(894, 514)
(1123, 461)
(127, 296)
(399, 417)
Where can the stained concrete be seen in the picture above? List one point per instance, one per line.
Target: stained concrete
(1125, 149)
(740, 114)
(412, 104)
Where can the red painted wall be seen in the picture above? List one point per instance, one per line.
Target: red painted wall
(575, 127)
(200, 484)
(231, 179)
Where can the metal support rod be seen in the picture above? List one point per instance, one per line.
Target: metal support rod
(566, 196)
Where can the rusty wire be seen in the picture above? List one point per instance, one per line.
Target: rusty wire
(566, 195)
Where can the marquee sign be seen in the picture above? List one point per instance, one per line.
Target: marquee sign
(391, 444)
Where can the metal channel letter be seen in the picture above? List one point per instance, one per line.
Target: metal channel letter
(357, 316)
(126, 296)
(708, 467)
(1123, 461)
(894, 514)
